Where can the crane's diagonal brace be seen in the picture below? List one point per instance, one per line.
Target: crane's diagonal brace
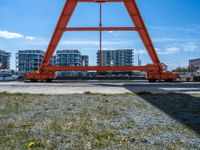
(66, 14)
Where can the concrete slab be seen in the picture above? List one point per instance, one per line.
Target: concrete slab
(104, 87)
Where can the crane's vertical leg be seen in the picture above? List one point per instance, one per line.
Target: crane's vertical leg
(142, 30)
(64, 19)
(145, 37)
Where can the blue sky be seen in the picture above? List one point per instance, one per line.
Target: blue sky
(174, 26)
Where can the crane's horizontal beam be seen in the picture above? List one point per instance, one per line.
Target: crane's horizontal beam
(101, 29)
(100, 68)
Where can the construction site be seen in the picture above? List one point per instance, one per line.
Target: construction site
(57, 100)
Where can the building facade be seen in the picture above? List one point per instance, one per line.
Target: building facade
(123, 57)
(28, 60)
(70, 58)
(194, 65)
(84, 60)
(53, 61)
(4, 60)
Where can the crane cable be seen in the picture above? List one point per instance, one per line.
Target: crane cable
(100, 25)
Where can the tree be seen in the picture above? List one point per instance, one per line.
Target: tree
(181, 69)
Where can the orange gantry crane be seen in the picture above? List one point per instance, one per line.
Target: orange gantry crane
(154, 71)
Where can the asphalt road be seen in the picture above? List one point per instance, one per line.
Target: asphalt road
(105, 87)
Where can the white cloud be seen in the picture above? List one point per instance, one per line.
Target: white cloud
(177, 47)
(106, 48)
(115, 33)
(172, 40)
(29, 38)
(140, 51)
(168, 51)
(10, 35)
(190, 47)
(173, 49)
(79, 42)
(14, 35)
(190, 29)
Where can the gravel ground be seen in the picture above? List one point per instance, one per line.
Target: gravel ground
(100, 121)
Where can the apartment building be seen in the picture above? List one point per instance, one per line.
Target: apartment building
(70, 58)
(4, 60)
(122, 57)
(194, 65)
(53, 61)
(28, 60)
(84, 60)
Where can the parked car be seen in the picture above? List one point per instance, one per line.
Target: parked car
(7, 77)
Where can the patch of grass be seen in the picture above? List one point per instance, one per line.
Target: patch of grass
(176, 144)
(82, 124)
(17, 140)
(70, 107)
(103, 138)
(4, 126)
(87, 92)
(10, 125)
(4, 94)
(10, 108)
(106, 111)
(54, 126)
(88, 134)
(36, 145)
(12, 103)
(95, 94)
(128, 94)
(11, 94)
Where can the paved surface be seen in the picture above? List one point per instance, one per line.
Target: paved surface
(106, 87)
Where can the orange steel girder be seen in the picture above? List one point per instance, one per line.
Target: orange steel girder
(61, 27)
(67, 12)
